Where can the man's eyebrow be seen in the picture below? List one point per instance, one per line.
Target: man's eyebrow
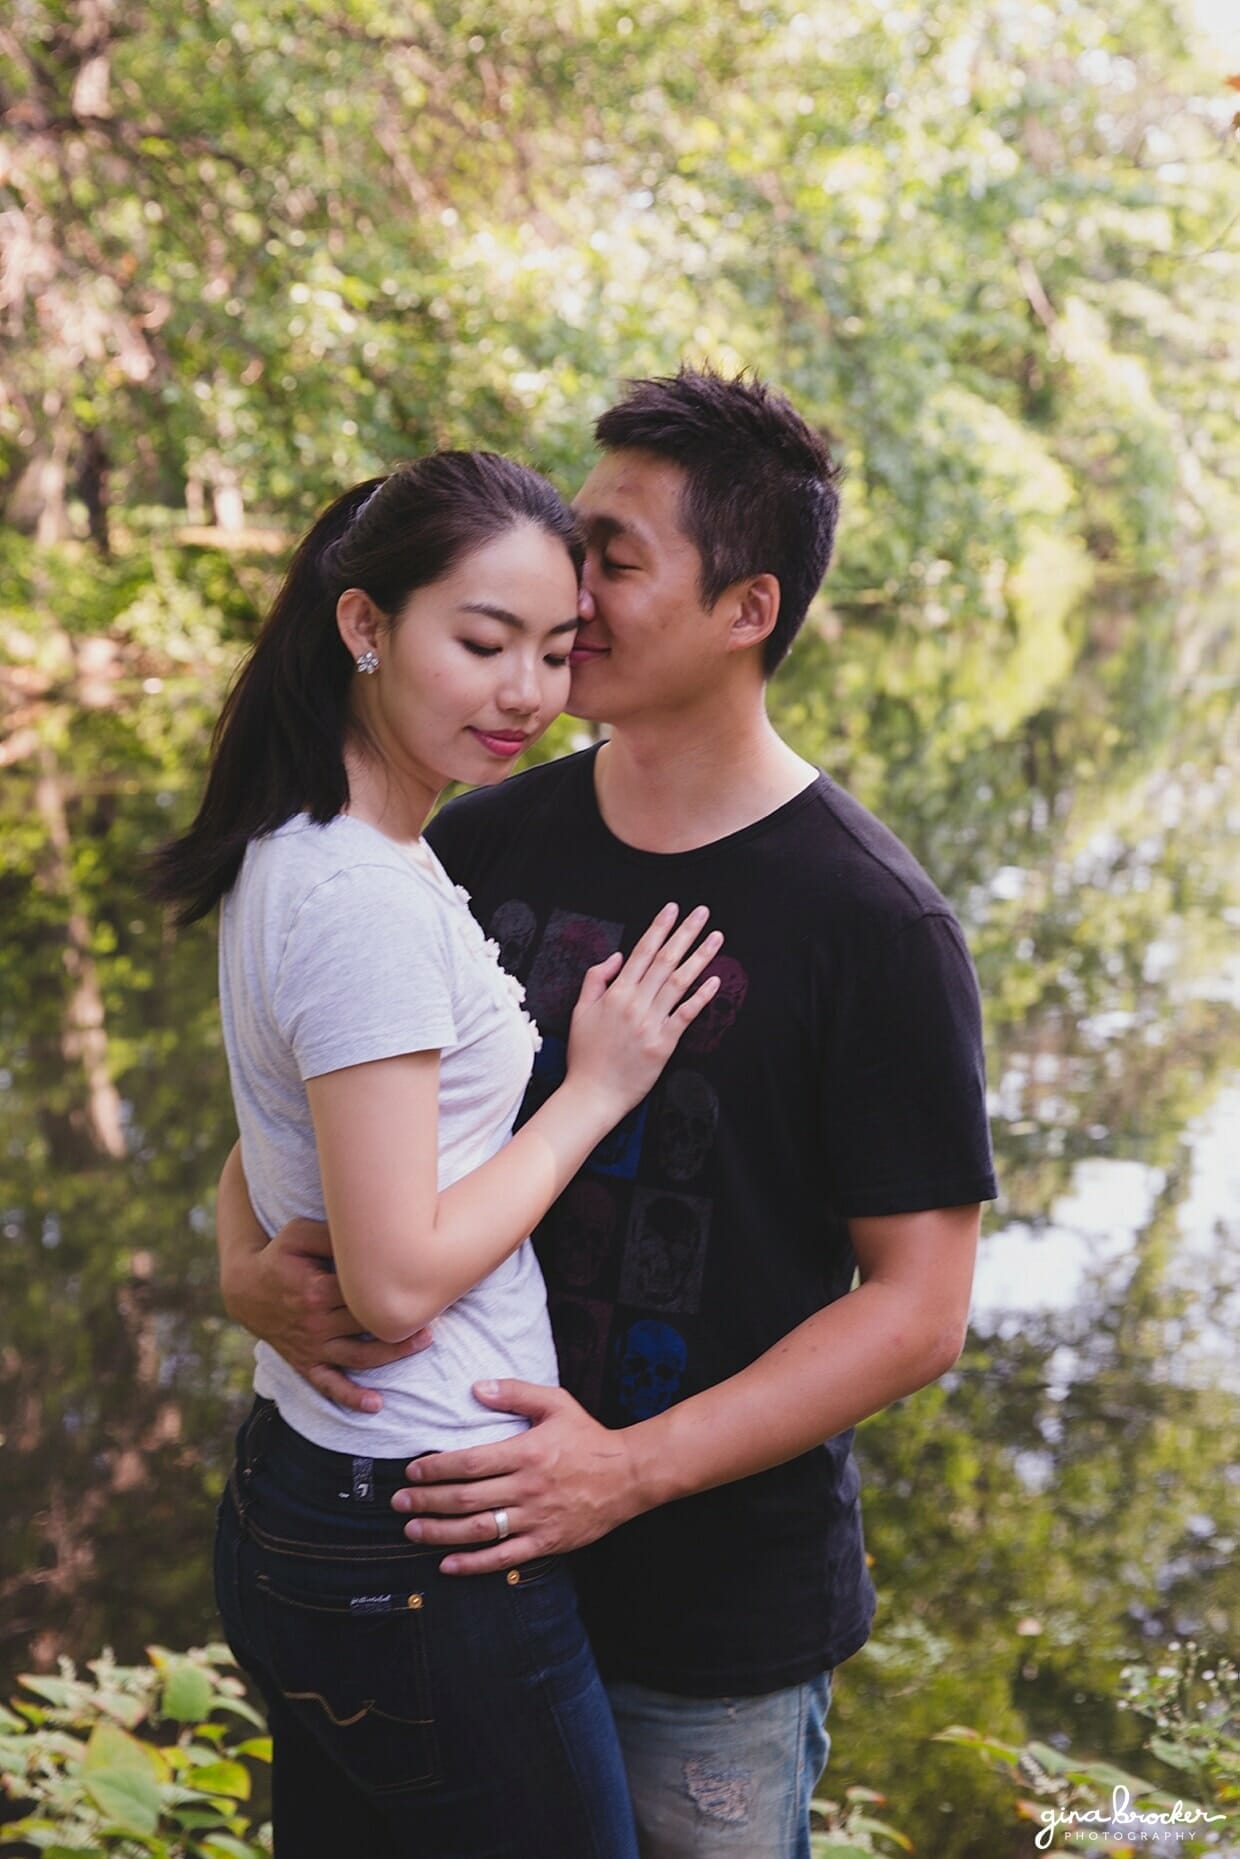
(512, 619)
(603, 528)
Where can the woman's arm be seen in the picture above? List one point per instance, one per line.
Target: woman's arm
(285, 1290)
(404, 1251)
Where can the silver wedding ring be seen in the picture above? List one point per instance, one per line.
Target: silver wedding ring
(502, 1528)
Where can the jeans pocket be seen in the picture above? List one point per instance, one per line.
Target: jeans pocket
(354, 1669)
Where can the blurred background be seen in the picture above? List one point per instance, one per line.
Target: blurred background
(255, 250)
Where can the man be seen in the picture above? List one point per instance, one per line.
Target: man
(823, 1120)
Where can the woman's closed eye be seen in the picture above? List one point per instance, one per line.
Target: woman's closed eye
(556, 659)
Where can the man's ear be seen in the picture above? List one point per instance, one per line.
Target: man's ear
(757, 610)
(360, 621)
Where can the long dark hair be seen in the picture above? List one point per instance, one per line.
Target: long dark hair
(278, 748)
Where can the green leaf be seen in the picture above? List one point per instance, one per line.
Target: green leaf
(127, 1800)
(196, 1819)
(122, 1777)
(211, 1732)
(862, 1823)
(230, 1778)
(114, 1751)
(122, 1706)
(187, 1692)
(259, 1747)
(973, 1739)
(1172, 1754)
(240, 1708)
(230, 1848)
(1111, 1777)
(1052, 1760)
(64, 1693)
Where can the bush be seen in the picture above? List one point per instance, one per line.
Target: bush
(135, 1760)
(1193, 1707)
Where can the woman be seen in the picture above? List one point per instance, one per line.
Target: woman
(378, 1055)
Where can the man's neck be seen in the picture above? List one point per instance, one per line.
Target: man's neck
(672, 784)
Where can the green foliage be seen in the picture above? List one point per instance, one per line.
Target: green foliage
(1191, 1700)
(146, 1759)
(848, 1829)
(1191, 1705)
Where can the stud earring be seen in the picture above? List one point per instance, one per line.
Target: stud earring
(368, 662)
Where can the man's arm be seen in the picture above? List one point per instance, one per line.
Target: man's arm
(286, 1292)
(568, 1480)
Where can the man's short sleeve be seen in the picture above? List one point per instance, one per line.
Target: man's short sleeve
(905, 1095)
(365, 972)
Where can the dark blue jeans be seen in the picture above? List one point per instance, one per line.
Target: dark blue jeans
(411, 1713)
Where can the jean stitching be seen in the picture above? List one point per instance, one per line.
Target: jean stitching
(369, 1709)
(429, 1773)
(347, 1552)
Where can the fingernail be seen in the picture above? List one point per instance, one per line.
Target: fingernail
(401, 1501)
(449, 1566)
(486, 1390)
(700, 910)
(674, 908)
(414, 1530)
(371, 1403)
(413, 1473)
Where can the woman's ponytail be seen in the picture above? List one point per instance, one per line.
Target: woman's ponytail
(278, 748)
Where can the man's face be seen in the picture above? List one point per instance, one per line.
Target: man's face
(646, 642)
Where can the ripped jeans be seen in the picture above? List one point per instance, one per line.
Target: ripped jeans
(723, 1778)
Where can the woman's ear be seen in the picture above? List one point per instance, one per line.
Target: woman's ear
(360, 622)
(756, 612)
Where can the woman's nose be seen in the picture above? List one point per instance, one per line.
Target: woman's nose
(521, 691)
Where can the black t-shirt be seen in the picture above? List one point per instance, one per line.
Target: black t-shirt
(837, 1072)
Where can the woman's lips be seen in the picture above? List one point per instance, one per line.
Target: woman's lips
(507, 742)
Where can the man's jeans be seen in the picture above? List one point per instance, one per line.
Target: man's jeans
(731, 1777)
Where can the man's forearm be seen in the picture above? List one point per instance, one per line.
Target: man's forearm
(840, 1366)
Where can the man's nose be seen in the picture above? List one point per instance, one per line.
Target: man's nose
(585, 600)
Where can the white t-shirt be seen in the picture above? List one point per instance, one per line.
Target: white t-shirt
(337, 947)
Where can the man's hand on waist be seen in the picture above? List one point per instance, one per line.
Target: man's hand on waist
(562, 1483)
(288, 1294)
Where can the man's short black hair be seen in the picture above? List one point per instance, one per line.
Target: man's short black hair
(761, 489)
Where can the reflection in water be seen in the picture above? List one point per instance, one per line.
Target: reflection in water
(1071, 1477)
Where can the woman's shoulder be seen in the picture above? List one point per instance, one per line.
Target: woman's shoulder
(322, 868)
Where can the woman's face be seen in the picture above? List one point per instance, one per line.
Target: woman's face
(474, 667)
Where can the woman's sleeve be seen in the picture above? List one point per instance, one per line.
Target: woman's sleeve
(365, 972)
